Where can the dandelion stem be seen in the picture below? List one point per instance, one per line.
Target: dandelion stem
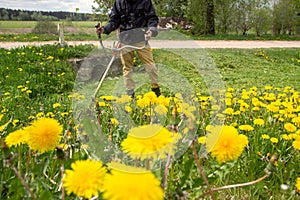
(23, 182)
(268, 170)
(9, 162)
(238, 185)
(166, 172)
(210, 191)
(62, 170)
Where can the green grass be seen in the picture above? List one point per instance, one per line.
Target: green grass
(250, 36)
(31, 24)
(17, 24)
(84, 24)
(86, 28)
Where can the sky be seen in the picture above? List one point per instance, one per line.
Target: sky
(85, 6)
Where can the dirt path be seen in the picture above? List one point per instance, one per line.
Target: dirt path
(178, 44)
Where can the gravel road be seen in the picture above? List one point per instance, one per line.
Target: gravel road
(178, 44)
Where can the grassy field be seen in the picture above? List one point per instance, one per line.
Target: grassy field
(253, 92)
(82, 30)
(31, 24)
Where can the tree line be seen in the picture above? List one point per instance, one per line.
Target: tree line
(25, 15)
(228, 16)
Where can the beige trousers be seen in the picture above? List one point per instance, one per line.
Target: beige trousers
(146, 57)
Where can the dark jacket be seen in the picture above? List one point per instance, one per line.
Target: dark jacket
(133, 18)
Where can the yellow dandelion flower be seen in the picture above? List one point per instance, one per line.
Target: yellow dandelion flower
(228, 102)
(40, 114)
(150, 141)
(255, 109)
(16, 138)
(128, 109)
(144, 102)
(108, 98)
(246, 127)
(296, 144)
(208, 127)
(124, 99)
(297, 185)
(296, 136)
(161, 109)
(102, 104)
(274, 140)
(244, 107)
(50, 114)
(224, 143)
(215, 107)
(3, 127)
(151, 96)
(287, 137)
(49, 58)
(187, 110)
(237, 112)
(228, 111)
(270, 96)
(265, 136)
(234, 124)
(259, 122)
(290, 127)
(230, 89)
(63, 146)
(272, 108)
(56, 105)
(64, 114)
(268, 87)
(85, 179)
(255, 101)
(201, 140)
(165, 101)
(296, 120)
(44, 134)
(114, 121)
(126, 183)
(15, 122)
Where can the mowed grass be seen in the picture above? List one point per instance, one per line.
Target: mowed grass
(237, 68)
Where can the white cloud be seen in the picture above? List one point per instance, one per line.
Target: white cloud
(85, 6)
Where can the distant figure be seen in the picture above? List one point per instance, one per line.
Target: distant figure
(136, 21)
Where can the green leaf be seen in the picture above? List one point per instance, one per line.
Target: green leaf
(187, 170)
(45, 195)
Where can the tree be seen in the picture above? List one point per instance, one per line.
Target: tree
(36, 16)
(210, 17)
(104, 6)
(4, 14)
(225, 15)
(23, 16)
(285, 16)
(262, 20)
(196, 14)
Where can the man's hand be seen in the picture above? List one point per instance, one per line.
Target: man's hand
(148, 35)
(99, 30)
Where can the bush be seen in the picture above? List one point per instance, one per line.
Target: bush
(45, 26)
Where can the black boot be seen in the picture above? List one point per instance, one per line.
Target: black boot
(156, 91)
